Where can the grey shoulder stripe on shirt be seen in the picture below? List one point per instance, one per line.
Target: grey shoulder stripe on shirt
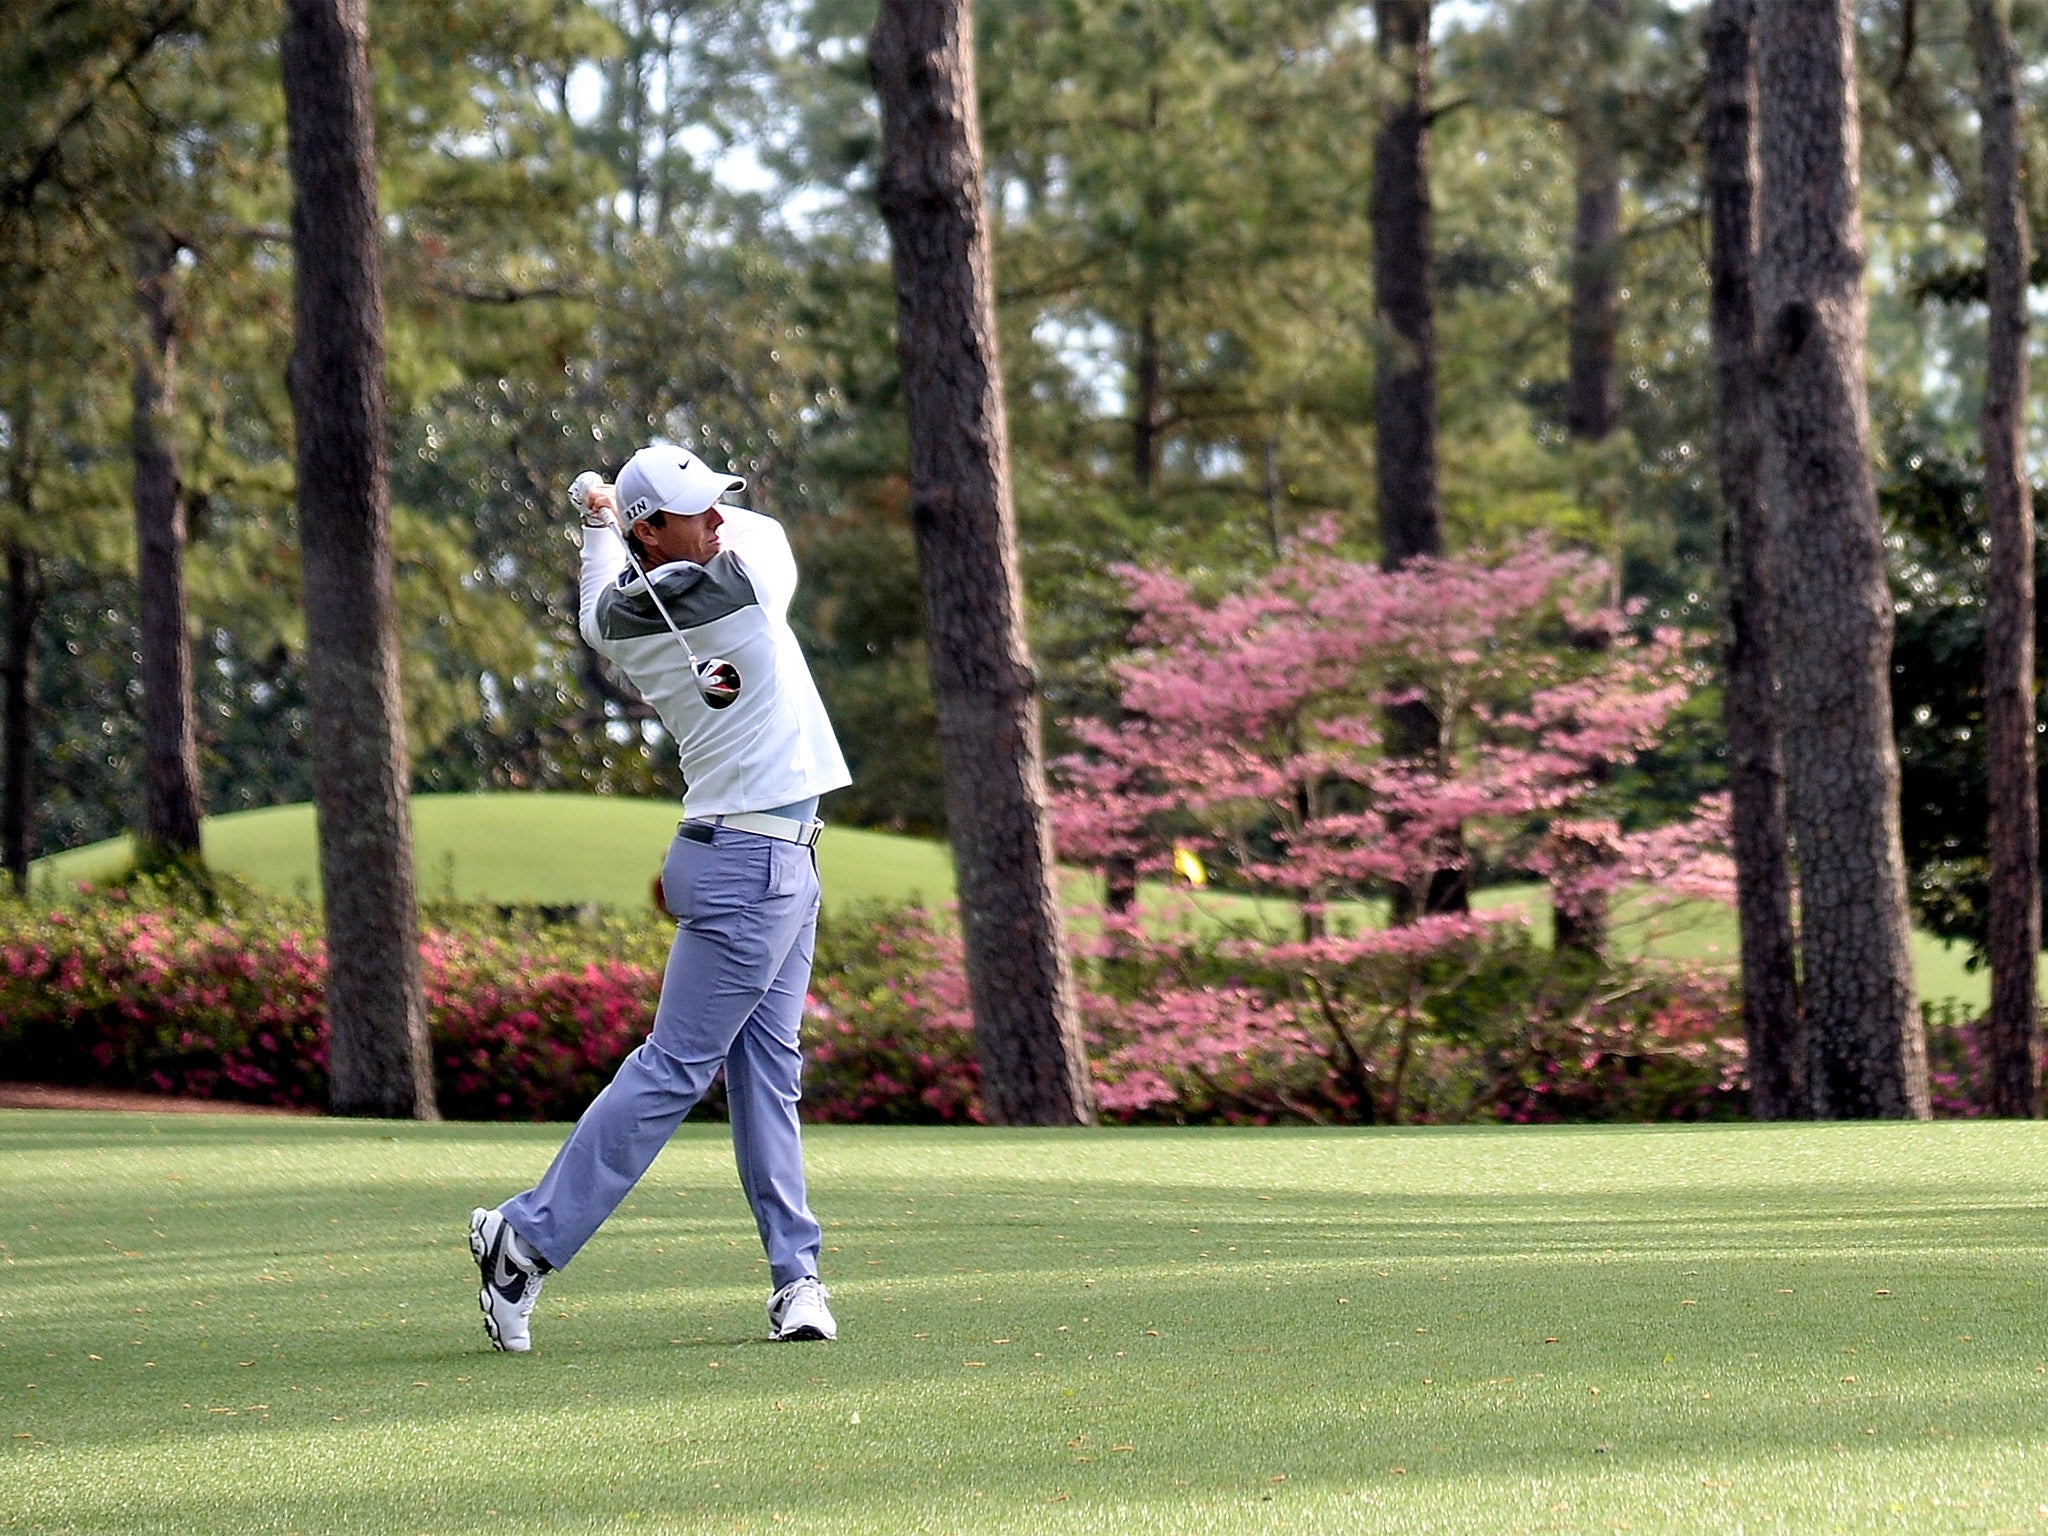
(698, 595)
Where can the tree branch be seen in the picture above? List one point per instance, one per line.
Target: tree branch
(508, 293)
(20, 189)
(1909, 25)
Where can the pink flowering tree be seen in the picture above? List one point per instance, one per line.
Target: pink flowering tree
(1252, 731)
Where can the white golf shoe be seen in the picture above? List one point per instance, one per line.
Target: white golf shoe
(511, 1285)
(798, 1311)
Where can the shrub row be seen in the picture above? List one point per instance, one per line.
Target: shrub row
(529, 1022)
(526, 1023)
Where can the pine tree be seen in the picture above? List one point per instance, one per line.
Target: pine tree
(1756, 775)
(378, 1058)
(2014, 832)
(1019, 977)
(1411, 514)
(171, 805)
(1868, 1056)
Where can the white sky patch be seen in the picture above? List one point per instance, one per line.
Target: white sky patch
(737, 166)
(1088, 351)
(1450, 16)
(585, 94)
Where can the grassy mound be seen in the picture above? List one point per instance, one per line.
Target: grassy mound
(242, 1326)
(558, 849)
(571, 849)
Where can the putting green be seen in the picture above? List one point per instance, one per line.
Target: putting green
(564, 849)
(571, 849)
(237, 1326)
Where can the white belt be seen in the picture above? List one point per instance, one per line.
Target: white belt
(803, 833)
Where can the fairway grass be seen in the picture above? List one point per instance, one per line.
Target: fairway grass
(268, 1326)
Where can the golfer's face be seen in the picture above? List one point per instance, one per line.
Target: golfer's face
(683, 538)
(698, 536)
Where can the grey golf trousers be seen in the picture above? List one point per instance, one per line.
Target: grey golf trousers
(733, 995)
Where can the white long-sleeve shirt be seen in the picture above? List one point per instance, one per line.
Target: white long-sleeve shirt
(773, 745)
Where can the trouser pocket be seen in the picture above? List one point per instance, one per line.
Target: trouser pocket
(732, 872)
(788, 867)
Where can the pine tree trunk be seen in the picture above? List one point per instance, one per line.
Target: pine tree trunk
(1146, 372)
(1404, 409)
(378, 1061)
(1591, 405)
(1411, 516)
(1756, 776)
(2009, 618)
(171, 806)
(1867, 1053)
(18, 730)
(1034, 1070)
(1120, 870)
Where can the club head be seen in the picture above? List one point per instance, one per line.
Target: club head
(718, 681)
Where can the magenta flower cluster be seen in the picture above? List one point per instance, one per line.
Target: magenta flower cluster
(106, 994)
(1254, 730)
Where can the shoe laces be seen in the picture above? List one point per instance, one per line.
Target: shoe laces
(790, 1294)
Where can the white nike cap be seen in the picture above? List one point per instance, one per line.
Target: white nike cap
(665, 478)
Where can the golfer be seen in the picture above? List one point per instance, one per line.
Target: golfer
(693, 605)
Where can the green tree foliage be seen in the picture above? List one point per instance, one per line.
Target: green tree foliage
(1938, 567)
(123, 115)
(616, 220)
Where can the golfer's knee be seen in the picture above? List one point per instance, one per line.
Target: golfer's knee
(671, 1073)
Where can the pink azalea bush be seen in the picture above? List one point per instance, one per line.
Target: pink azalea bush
(1958, 1069)
(524, 1026)
(1444, 1020)
(1192, 1026)
(147, 999)
(888, 1032)
(524, 1036)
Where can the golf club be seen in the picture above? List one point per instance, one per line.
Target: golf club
(718, 680)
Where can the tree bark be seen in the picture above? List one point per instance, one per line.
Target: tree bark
(1147, 373)
(171, 805)
(1404, 407)
(1411, 516)
(378, 1061)
(1591, 405)
(1756, 776)
(1033, 1068)
(1867, 1053)
(2014, 832)
(1120, 870)
(18, 731)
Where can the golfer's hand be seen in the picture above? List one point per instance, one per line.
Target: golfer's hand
(601, 505)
